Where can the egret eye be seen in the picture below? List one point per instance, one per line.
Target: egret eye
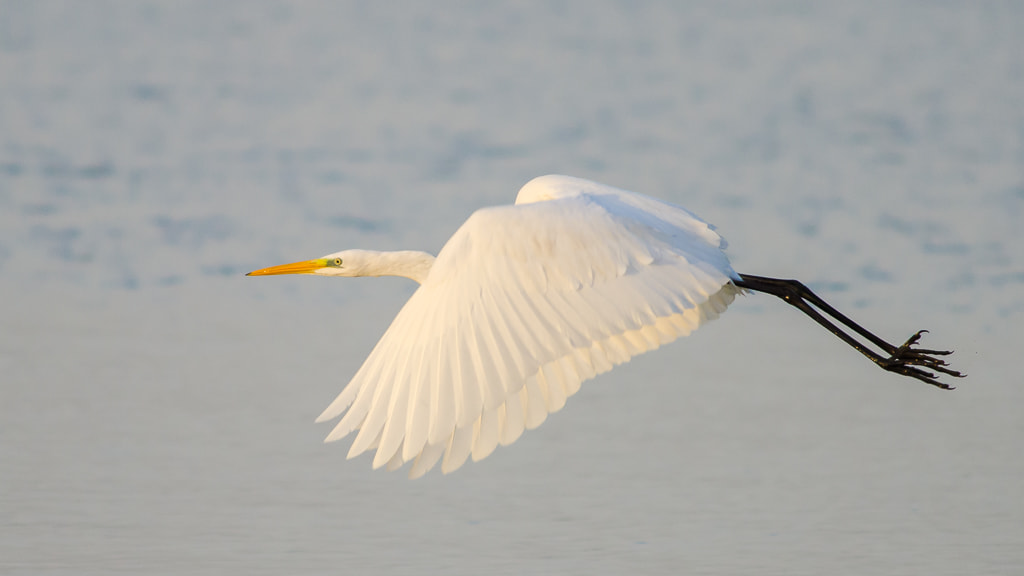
(337, 262)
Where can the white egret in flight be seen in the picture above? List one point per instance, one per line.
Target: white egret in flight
(525, 302)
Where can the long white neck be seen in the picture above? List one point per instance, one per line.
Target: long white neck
(411, 264)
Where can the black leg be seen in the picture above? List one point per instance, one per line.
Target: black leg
(902, 359)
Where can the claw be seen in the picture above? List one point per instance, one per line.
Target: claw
(904, 359)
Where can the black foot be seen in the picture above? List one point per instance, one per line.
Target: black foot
(905, 359)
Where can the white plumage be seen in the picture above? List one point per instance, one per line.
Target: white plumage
(522, 305)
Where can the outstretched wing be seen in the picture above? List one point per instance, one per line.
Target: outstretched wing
(522, 305)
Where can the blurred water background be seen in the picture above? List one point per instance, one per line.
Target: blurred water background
(156, 406)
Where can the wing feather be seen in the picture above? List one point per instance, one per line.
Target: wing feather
(373, 426)
(424, 401)
(571, 373)
(600, 359)
(509, 334)
(553, 387)
(459, 447)
(487, 430)
(394, 427)
(427, 459)
(500, 366)
(515, 420)
(467, 387)
(536, 410)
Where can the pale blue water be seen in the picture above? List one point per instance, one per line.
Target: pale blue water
(156, 406)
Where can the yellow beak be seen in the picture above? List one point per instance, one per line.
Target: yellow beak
(304, 267)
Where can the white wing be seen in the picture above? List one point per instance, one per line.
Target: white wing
(522, 305)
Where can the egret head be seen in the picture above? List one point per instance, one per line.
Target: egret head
(345, 263)
(354, 263)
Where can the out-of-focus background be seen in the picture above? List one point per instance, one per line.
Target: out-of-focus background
(156, 406)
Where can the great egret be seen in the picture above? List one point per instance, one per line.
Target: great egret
(525, 302)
